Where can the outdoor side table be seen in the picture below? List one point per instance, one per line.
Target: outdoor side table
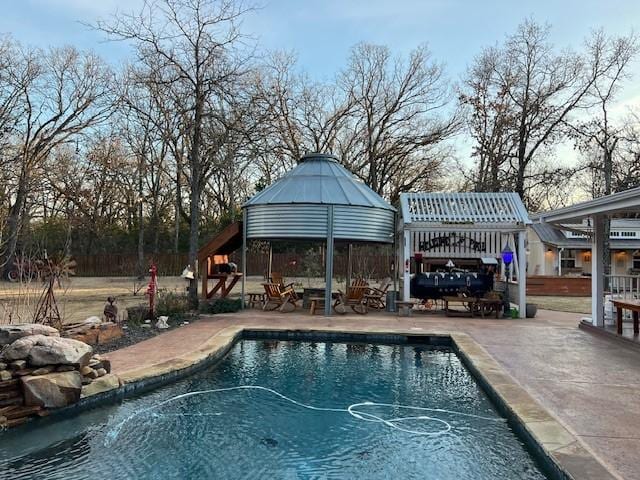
(255, 298)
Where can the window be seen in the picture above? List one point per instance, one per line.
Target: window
(619, 234)
(636, 260)
(568, 259)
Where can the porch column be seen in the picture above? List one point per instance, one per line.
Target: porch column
(597, 272)
(329, 262)
(244, 256)
(406, 264)
(522, 275)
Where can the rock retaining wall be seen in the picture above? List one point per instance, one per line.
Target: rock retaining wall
(44, 371)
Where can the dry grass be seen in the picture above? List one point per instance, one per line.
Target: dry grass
(83, 297)
(562, 304)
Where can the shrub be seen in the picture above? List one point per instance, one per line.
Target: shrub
(137, 314)
(223, 305)
(173, 305)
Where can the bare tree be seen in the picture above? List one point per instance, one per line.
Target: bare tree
(63, 92)
(194, 44)
(520, 96)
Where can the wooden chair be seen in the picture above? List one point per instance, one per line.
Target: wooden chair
(278, 279)
(354, 298)
(278, 298)
(376, 295)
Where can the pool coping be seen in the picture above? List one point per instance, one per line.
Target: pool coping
(559, 452)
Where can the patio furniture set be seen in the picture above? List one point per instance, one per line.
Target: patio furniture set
(359, 297)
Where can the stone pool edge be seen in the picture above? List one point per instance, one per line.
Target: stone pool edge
(563, 455)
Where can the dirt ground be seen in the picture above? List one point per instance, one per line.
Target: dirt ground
(82, 297)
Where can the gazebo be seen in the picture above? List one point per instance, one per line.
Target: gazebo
(464, 227)
(317, 200)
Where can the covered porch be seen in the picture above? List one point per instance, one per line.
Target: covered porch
(594, 215)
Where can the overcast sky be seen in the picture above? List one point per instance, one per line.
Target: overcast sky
(322, 31)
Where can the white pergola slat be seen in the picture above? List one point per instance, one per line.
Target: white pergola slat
(482, 210)
(481, 224)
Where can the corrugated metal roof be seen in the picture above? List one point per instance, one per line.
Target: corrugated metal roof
(553, 236)
(477, 208)
(319, 179)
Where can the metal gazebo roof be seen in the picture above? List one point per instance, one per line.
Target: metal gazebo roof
(495, 210)
(319, 179)
(317, 199)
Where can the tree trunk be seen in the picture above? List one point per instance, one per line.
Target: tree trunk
(195, 199)
(14, 224)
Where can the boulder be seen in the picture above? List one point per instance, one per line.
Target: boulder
(11, 333)
(54, 390)
(101, 372)
(5, 375)
(43, 370)
(40, 350)
(66, 368)
(102, 384)
(18, 364)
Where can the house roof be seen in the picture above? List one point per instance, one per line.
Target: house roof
(554, 236)
(488, 210)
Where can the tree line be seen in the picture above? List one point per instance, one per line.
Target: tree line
(155, 155)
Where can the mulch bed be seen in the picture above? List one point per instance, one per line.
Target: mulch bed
(137, 333)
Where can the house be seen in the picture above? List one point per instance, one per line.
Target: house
(567, 251)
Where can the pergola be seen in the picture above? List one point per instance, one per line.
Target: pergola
(463, 225)
(596, 210)
(318, 200)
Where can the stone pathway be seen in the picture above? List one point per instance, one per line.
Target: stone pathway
(589, 383)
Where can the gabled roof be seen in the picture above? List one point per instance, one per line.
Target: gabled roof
(554, 236)
(621, 202)
(482, 210)
(319, 179)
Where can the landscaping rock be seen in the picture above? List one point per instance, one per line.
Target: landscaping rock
(102, 384)
(101, 372)
(86, 370)
(91, 374)
(66, 368)
(93, 320)
(18, 364)
(40, 350)
(43, 370)
(11, 333)
(54, 390)
(3, 366)
(5, 375)
(23, 371)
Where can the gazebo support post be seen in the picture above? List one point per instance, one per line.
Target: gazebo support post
(349, 267)
(244, 257)
(597, 272)
(329, 262)
(522, 276)
(270, 266)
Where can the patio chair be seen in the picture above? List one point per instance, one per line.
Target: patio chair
(278, 279)
(277, 297)
(375, 296)
(354, 298)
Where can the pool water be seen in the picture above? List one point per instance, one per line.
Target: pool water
(320, 410)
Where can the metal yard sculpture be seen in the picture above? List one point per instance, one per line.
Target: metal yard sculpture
(52, 270)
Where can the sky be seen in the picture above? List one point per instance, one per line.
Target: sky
(321, 32)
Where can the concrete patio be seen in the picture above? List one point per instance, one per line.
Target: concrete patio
(589, 383)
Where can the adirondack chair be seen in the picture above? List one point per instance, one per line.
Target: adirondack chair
(279, 298)
(376, 295)
(278, 279)
(354, 298)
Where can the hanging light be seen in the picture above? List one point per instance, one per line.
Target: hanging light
(507, 255)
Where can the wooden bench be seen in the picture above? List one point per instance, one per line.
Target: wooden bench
(314, 303)
(634, 306)
(470, 302)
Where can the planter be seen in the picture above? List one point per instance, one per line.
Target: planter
(531, 310)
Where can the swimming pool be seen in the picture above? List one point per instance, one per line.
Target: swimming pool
(288, 409)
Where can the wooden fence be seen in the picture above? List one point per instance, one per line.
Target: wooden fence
(292, 265)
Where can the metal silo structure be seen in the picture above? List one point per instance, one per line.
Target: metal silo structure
(318, 200)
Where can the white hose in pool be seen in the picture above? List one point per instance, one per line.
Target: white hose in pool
(351, 410)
